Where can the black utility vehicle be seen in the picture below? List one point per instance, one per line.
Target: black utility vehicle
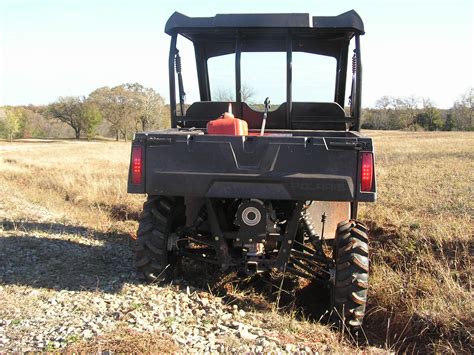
(270, 189)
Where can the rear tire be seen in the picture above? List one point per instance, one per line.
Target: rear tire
(349, 290)
(160, 217)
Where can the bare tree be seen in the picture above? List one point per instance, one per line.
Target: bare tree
(410, 107)
(248, 94)
(463, 110)
(384, 103)
(225, 95)
(228, 95)
(393, 112)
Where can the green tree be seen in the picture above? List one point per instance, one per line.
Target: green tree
(28, 122)
(118, 106)
(369, 119)
(449, 123)
(69, 111)
(10, 121)
(25, 123)
(92, 117)
(430, 117)
(388, 113)
(76, 112)
(149, 107)
(130, 107)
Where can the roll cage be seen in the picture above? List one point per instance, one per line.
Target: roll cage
(237, 33)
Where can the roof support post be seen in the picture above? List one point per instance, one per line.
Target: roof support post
(238, 74)
(289, 63)
(172, 79)
(358, 91)
(202, 74)
(341, 75)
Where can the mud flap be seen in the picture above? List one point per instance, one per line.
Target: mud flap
(335, 212)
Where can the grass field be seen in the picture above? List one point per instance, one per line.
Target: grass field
(422, 245)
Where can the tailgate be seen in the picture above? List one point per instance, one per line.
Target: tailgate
(287, 168)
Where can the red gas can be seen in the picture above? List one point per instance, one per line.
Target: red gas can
(228, 125)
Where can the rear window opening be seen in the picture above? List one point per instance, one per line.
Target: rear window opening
(305, 76)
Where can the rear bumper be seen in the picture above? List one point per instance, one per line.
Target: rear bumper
(296, 187)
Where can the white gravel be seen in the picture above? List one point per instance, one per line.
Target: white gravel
(59, 285)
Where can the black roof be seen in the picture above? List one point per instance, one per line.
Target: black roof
(348, 22)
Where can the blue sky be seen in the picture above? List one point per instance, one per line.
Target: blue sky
(52, 48)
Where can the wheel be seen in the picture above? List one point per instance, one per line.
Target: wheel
(160, 217)
(349, 288)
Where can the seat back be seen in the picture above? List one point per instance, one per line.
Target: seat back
(318, 116)
(304, 115)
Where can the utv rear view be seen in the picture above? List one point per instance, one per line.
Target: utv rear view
(255, 187)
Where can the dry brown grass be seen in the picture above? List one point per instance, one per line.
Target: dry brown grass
(125, 341)
(81, 182)
(421, 294)
(422, 241)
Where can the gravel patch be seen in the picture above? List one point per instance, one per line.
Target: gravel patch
(60, 285)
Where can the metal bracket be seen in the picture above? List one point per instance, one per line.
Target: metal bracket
(222, 250)
(289, 236)
(173, 242)
(332, 276)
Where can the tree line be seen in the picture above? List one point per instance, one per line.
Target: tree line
(111, 112)
(120, 111)
(412, 113)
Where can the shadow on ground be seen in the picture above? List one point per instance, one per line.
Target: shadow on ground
(262, 292)
(62, 257)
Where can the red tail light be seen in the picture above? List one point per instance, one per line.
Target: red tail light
(367, 172)
(137, 165)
